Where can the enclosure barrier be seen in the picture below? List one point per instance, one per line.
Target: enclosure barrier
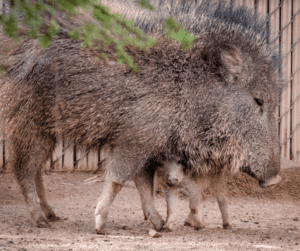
(284, 21)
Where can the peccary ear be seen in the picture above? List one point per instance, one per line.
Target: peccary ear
(232, 59)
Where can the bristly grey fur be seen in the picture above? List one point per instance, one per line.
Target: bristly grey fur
(199, 17)
(213, 106)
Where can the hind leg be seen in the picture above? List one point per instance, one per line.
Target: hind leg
(26, 179)
(49, 213)
(28, 157)
(109, 191)
(112, 185)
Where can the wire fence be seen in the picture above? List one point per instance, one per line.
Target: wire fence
(284, 21)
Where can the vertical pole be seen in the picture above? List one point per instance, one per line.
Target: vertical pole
(1, 7)
(285, 113)
(296, 81)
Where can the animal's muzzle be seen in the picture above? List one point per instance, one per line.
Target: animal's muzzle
(272, 181)
(172, 182)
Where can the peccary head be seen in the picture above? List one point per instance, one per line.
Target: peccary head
(228, 88)
(172, 172)
(240, 123)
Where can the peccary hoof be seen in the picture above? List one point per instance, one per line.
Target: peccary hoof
(188, 224)
(101, 231)
(52, 217)
(227, 226)
(166, 230)
(198, 227)
(41, 223)
(39, 219)
(159, 225)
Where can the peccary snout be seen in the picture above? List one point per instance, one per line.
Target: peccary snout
(270, 181)
(172, 172)
(271, 176)
(172, 181)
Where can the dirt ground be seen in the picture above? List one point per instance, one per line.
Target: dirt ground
(262, 219)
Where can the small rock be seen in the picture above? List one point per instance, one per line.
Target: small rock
(296, 219)
(256, 222)
(154, 234)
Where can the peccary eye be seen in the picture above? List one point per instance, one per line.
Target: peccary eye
(260, 102)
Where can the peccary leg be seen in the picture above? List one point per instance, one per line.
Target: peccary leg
(195, 217)
(49, 213)
(145, 217)
(189, 221)
(144, 184)
(172, 202)
(223, 204)
(27, 162)
(109, 191)
(221, 194)
(27, 183)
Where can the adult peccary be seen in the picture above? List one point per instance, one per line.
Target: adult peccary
(213, 106)
(170, 177)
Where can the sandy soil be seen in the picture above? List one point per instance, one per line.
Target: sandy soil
(263, 219)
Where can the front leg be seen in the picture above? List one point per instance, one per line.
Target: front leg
(189, 221)
(144, 184)
(221, 194)
(172, 202)
(195, 217)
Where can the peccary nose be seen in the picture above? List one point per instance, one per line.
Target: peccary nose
(270, 181)
(172, 182)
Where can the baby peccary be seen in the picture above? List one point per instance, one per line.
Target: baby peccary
(170, 177)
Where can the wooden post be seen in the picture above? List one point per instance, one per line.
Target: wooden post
(7, 165)
(262, 7)
(104, 154)
(274, 32)
(82, 157)
(1, 7)
(296, 82)
(69, 157)
(92, 160)
(57, 155)
(286, 10)
(1, 151)
(239, 2)
(249, 3)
